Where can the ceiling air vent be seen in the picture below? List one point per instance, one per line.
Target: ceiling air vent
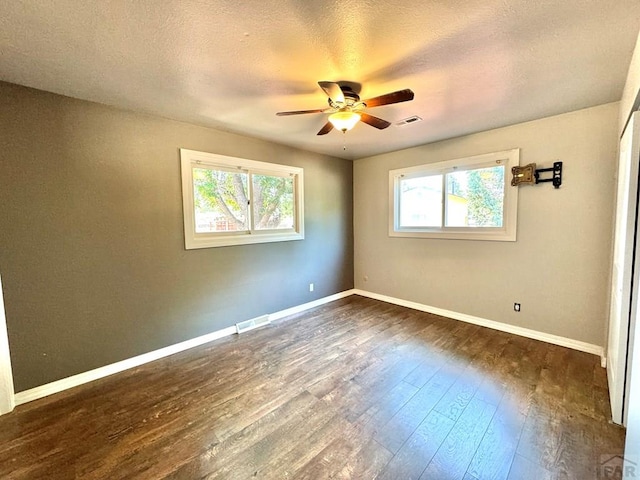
(408, 120)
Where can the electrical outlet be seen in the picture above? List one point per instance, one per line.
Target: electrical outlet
(366, 278)
(516, 307)
(311, 287)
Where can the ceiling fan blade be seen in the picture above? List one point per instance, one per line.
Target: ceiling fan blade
(379, 123)
(389, 98)
(326, 129)
(333, 90)
(300, 112)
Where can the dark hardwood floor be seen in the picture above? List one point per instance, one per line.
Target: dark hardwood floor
(356, 389)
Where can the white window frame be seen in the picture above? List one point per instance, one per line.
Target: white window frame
(190, 159)
(506, 233)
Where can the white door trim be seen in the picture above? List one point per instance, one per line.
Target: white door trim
(7, 397)
(624, 276)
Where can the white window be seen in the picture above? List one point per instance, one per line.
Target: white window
(233, 201)
(468, 198)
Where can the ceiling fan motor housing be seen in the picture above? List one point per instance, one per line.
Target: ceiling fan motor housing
(351, 99)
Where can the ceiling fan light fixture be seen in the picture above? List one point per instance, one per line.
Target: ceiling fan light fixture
(344, 120)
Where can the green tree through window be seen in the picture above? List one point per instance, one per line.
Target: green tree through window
(272, 202)
(485, 194)
(221, 201)
(463, 198)
(236, 201)
(220, 195)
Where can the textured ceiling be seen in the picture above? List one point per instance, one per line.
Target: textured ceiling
(473, 64)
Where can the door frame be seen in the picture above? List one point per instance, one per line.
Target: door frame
(7, 395)
(625, 277)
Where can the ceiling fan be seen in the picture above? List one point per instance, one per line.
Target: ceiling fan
(346, 107)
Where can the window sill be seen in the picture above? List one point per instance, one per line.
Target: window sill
(495, 236)
(205, 241)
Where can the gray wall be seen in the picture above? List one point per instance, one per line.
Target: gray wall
(559, 267)
(91, 239)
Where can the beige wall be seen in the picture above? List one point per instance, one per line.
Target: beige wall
(559, 267)
(92, 251)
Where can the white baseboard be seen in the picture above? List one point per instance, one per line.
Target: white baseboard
(101, 372)
(7, 398)
(483, 322)
(310, 305)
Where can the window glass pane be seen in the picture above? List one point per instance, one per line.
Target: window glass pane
(220, 200)
(273, 202)
(475, 198)
(421, 201)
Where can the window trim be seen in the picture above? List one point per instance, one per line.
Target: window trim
(506, 233)
(190, 159)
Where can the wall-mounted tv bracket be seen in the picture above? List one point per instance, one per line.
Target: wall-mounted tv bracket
(530, 175)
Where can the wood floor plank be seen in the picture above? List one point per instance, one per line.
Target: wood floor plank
(334, 457)
(275, 449)
(388, 405)
(458, 448)
(572, 458)
(493, 458)
(354, 389)
(217, 453)
(553, 376)
(366, 462)
(456, 399)
(540, 437)
(579, 384)
(425, 370)
(523, 469)
(402, 425)
(270, 448)
(416, 453)
(307, 447)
